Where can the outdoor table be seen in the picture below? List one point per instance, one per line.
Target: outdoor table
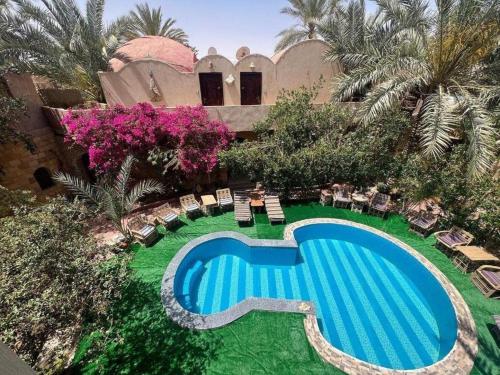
(256, 201)
(359, 201)
(208, 203)
(469, 258)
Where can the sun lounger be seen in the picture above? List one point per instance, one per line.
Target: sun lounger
(487, 280)
(423, 223)
(342, 196)
(449, 239)
(242, 211)
(142, 230)
(379, 204)
(190, 205)
(224, 198)
(273, 208)
(166, 216)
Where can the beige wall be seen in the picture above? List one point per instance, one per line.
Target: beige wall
(300, 65)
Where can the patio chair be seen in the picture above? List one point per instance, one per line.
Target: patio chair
(449, 239)
(342, 196)
(224, 198)
(166, 216)
(242, 211)
(142, 230)
(273, 208)
(379, 204)
(325, 197)
(190, 205)
(423, 223)
(487, 280)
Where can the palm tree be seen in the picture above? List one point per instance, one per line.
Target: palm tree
(309, 13)
(114, 196)
(55, 39)
(438, 61)
(146, 21)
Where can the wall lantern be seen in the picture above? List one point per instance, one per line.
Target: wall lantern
(252, 66)
(230, 79)
(211, 65)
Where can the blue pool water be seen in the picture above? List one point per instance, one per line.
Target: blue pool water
(374, 300)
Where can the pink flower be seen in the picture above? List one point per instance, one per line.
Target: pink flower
(110, 134)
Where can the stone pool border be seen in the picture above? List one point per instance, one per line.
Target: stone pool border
(459, 360)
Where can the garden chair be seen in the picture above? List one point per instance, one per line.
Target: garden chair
(449, 239)
(190, 205)
(143, 231)
(423, 223)
(224, 198)
(487, 280)
(242, 211)
(342, 196)
(166, 216)
(273, 208)
(379, 204)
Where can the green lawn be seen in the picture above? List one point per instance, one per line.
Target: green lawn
(142, 340)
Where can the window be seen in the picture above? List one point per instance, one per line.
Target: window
(42, 176)
(211, 89)
(251, 88)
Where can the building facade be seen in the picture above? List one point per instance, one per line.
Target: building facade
(165, 73)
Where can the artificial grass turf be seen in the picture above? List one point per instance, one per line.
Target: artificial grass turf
(146, 341)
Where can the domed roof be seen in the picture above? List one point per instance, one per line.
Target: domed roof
(161, 48)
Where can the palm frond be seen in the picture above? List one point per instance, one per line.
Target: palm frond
(385, 97)
(141, 189)
(482, 135)
(439, 120)
(79, 187)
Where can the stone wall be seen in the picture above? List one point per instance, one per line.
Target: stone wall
(17, 163)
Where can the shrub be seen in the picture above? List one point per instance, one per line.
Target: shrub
(472, 203)
(53, 277)
(111, 134)
(301, 144)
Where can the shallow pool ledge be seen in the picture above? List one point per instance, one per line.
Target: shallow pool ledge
(188, 319)
(458, 361)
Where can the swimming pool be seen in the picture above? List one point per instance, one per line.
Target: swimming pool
(372, 299)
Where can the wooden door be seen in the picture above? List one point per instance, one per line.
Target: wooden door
(251, 88)
(211, 89)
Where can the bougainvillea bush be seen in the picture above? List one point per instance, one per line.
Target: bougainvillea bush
(111, 134)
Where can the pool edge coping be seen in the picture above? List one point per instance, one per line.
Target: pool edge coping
(459, 360)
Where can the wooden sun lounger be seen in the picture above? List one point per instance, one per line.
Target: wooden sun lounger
(166, 216)
(423, 223)
(449, 239)
(242, 211)
(142, 230)
(273, 208)
(487, 280)
(224, 198)
(379, 204)
(190, 205)
(342, 196)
